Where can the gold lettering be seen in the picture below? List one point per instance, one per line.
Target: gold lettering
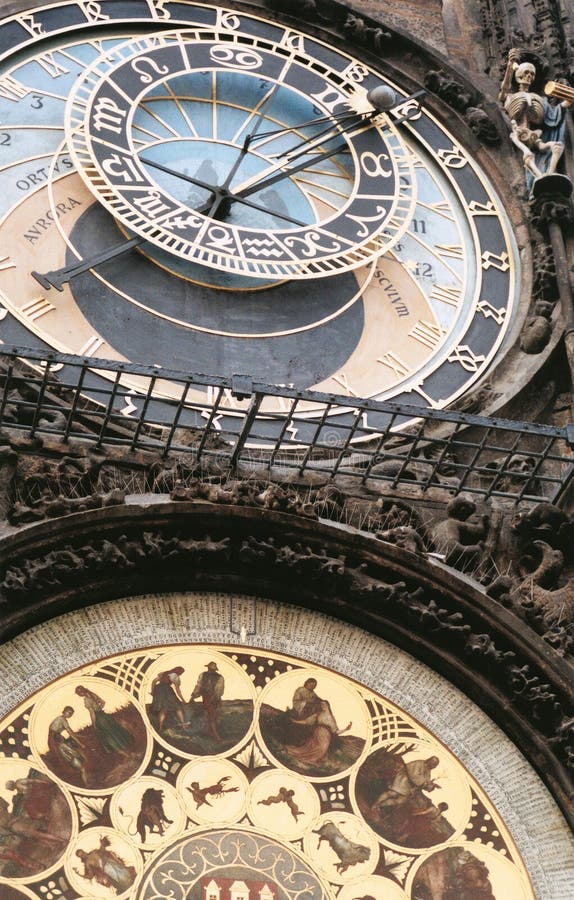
(51, 66)
(451, 296)
(108, 115)
(395, 363)
(29, 23)
(467, 358)
(93, 10)
(37, 308)
(427, 334)
(452, 158)
(11, 89)
(91, 346)
(341, 379)
(450, 251)
(491, 312)
(481, 209)
(496, 260)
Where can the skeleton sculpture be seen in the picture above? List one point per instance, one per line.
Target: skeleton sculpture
(536, 126)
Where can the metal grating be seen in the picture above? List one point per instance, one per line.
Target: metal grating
(371, 442)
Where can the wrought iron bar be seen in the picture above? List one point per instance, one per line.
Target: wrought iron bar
(311, 432)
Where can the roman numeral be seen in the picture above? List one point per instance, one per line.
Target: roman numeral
(11, 89)
(32, 27)
(451, 296)
(450, 251)
(93, 10)
(395, 363)
(49, 65)
(491, 312)
(341, 379)
(452, 158)
(91, 346)
(495, 260)
(427, 334)
(468, 359)
(37, 308)
(481, 209)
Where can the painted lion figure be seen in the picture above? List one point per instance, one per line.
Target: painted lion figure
(151, 815)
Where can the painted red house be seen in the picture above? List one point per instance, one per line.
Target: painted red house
(237, 889)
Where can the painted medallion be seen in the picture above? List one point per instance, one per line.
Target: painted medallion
(212, 772)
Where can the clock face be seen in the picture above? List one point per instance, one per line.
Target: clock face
(265, 217)
(297, 184)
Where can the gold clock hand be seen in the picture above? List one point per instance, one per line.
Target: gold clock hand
(343, 121)
(256, 123)
(266, 178)
(382, 99)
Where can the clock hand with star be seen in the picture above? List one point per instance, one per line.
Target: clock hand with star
(271, 176)
(382, 100)
(220, 205)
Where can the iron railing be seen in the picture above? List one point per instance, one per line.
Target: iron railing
(240, 423)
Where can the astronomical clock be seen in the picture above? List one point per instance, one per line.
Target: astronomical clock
(200, 189)
(213, 190)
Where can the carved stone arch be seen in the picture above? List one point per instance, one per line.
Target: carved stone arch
(439, 616)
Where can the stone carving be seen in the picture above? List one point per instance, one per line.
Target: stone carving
(536, 333)
(448, 89)
(77, 563)
(44, 487)
(482, 125)
(476, 402)
(461, 536)
(328, 501)
(370, 36)
(266, 495)
(563, 739)
(434, 617)
(539, 592)
(305, 9)
(538, 695)
(536, 126)
(284, 499)
(538, 585)
(513, 473)
(404, 536)
(396, 514)
(545, 522)
(483, 645)
(545, 287)
(309, 564)
(525, 686)
(551, 202)
(397, 468)
(53, 507)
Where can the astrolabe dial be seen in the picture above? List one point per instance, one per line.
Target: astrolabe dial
(294, 173)
(164, 200)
